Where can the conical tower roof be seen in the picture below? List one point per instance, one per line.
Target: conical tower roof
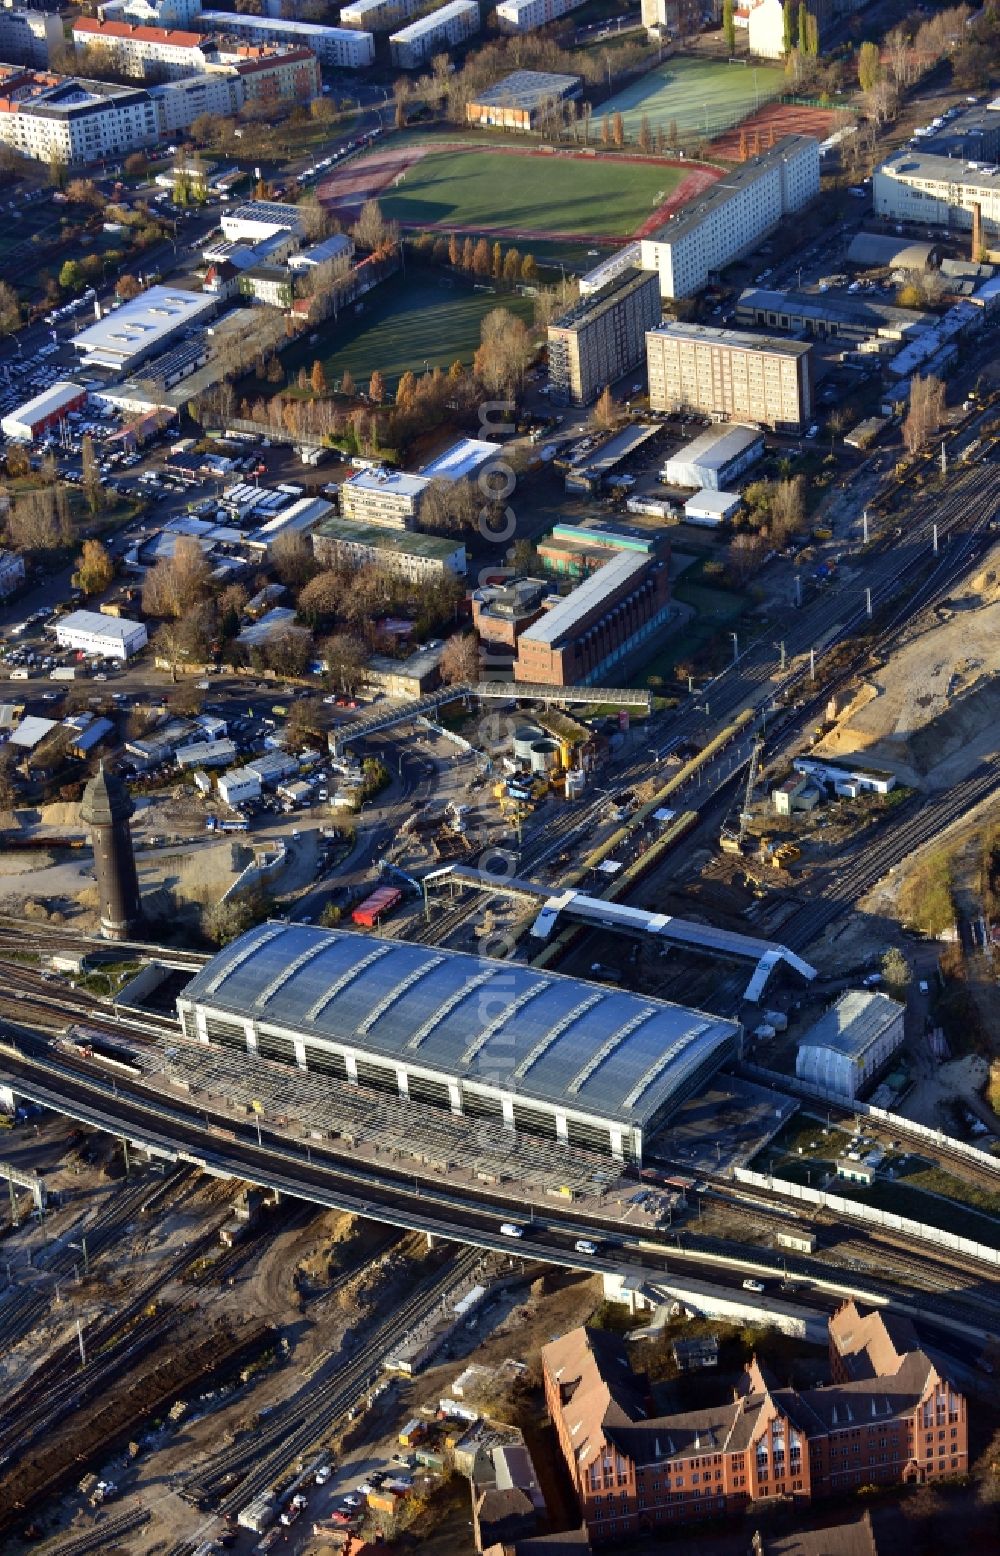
(105, 800)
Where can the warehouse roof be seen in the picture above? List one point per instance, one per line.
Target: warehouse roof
(876, 248)
(47, 403)
(717, 446)
(850, 1026)
(117, 628)
(911, 165)
(139, 325)
(461, 460)
(277, 620)
(405, 542)
(861, 309)
(526, 89)
(397, 481)
(598, 1050)
(586, 597)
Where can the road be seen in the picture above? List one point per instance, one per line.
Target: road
(176, 1127)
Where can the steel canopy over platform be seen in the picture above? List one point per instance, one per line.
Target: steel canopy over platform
(684, 933)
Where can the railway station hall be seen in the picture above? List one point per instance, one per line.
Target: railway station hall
(540, 1053)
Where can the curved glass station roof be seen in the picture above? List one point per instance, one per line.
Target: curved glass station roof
(538, 1035)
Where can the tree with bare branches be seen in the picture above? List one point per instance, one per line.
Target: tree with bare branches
(926, 412)
(460, 660)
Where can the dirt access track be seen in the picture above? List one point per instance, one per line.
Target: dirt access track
(932, 711)
(347, 189)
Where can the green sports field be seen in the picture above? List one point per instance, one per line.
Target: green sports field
(509, 193)
(700, 96)
(405, 324)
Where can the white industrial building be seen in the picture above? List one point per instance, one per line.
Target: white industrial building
(207, 753)
(258, 220)
(343, 48)
(12, 572)
(34, 418)
(238, 785)
(709, 509)
(113, 637)
(462, 460)
(526, 15)
(850, 1044)
(30, 37)
(733, 216)
(442, 29)
(143, 327)
(844, 780)
(715, 460)
(913, 186)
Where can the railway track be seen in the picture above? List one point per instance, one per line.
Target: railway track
(759, 678)
(21, 1306)
(301, 1423)
(100, 1539)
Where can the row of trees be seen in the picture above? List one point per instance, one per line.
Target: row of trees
(420, 402)
(477, 258)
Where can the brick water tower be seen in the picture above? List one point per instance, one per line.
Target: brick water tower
(106, 807)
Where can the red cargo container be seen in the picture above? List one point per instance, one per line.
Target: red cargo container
(381, 901)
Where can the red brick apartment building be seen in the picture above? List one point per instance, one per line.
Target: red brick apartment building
(888, 1417)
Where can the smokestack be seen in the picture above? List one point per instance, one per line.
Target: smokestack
(977, 232)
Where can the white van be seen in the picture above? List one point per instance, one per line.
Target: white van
(511, 1229)
(584, 1245)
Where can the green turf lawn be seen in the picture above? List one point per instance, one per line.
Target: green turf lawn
(701, 96)
(484, 190)
(403, 324)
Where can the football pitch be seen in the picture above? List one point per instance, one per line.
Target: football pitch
(700, 96)
(513, 194)
(405, 325)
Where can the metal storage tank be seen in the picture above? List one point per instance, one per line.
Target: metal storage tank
(545, 755)
(525, 736)
(575, 783)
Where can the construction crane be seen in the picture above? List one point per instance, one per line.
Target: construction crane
(731, 838)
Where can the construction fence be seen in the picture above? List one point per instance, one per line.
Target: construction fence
(906, 1128)
(887, 1220)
